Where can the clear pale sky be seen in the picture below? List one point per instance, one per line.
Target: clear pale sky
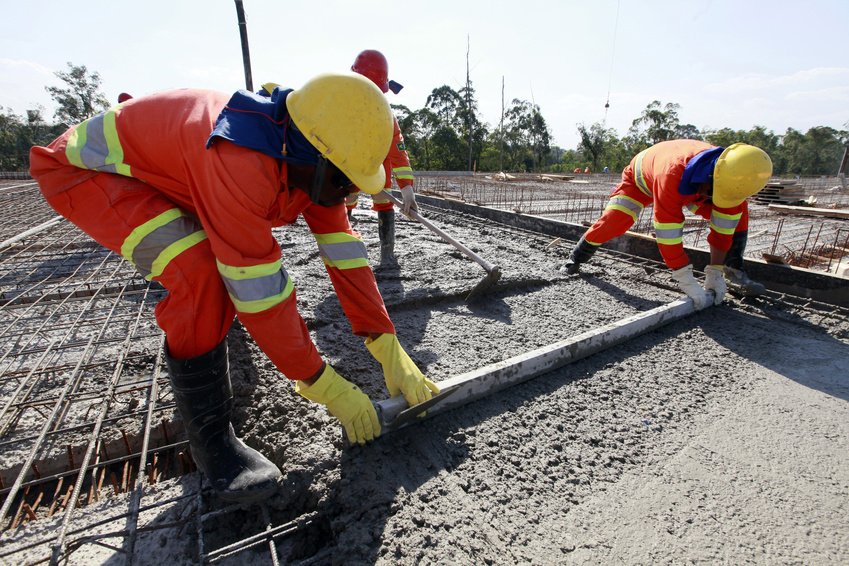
(728, 63)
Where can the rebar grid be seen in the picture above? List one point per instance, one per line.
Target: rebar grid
(811, 242)
(86, 419)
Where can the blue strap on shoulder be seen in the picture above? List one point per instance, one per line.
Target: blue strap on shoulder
(699, 170)
(262, 123)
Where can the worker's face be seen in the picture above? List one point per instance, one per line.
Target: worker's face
(330, 185)
(706, 189)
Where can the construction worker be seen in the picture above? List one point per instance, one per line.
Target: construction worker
(187, 185)
(710, 181)
(373, 65)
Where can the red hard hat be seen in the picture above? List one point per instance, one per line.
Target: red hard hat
(372, 64)
(123, 97)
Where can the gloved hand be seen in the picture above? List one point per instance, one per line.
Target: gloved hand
(715, 281)
(687, 282)
(346, 402)
(399, 371)
(409, 200)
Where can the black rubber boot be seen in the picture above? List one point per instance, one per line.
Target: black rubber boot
(386, 231)
(204, 397)
(734, 274)
(581, 253)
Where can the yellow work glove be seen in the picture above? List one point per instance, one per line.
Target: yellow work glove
(346, 402)
(399, 371)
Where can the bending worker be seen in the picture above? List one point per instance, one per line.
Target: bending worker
(710, 181)
(187, 186)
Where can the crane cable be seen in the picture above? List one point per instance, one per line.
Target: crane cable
(612, 54)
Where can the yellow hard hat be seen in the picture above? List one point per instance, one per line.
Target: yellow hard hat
(740, 171)
(347, 119)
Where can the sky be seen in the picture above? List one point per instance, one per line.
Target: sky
(727, 63)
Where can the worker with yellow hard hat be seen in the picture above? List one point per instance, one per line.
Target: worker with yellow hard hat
(187, 186)
(713, 182)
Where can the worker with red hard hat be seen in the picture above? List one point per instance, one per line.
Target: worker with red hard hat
(187, 186)
(709, 181)
(372, 64)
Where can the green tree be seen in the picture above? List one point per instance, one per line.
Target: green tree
(81, 98)
(526, 135)
(657, 123)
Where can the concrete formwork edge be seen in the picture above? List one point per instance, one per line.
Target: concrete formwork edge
(796, 281)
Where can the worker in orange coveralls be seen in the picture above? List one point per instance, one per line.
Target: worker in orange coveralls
(710, 181)
(187, 186)
(373, 65)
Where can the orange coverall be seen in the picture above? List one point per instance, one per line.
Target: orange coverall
(140, 181)
(652, 178)
(396, 163)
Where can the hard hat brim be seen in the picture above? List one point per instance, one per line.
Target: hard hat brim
(371, 184)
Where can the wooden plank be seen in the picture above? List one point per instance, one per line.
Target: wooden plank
(810, 211)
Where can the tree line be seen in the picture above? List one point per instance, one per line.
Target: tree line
(447, 134)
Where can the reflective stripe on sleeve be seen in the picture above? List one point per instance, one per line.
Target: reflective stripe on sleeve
(724, 223)
(151, 246)
(94, 144)
(639, 179)
(258, 287)
(625, 204)
(669, 233)
(342, 250)
(403, 172)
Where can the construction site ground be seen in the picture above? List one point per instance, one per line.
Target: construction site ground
(720, 438)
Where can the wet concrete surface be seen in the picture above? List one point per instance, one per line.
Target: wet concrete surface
(718, 438)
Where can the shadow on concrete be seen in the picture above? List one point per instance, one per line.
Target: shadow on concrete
(798, 350)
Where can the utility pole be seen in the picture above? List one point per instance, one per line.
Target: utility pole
(246, 52)
(469, 101)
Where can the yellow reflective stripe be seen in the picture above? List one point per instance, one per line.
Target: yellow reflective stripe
(335, 238)
(116, 152)
(250, 272)
(624, 209)
(723, 223)
(260, 305)
(669, 233)
(342, 250)
(403, 172)
(76, 142)
(638, 173)
(347, 263)
(142, 231)
(172, 251)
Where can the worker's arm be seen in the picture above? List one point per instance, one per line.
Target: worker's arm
(399, 162)
(234, 193)
(346, 260)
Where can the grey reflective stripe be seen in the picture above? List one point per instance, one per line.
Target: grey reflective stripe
(669, 233)
(723, 221)
(93, 154)
(343, 251)
(258, 288)
(152, 245)
(627, 203)
(638, 173)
